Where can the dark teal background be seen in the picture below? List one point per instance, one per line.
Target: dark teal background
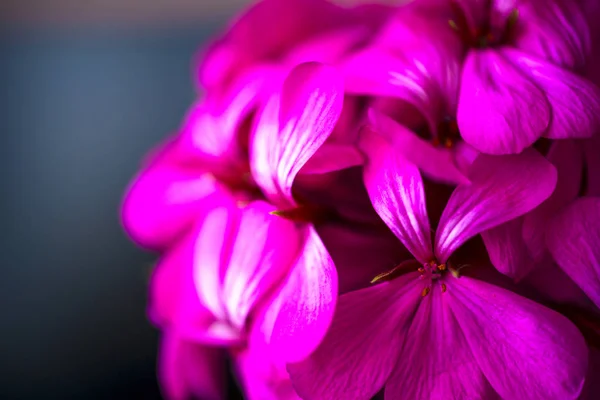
(78, 110)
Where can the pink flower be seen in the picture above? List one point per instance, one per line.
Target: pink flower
(516, 84)
(430, 334)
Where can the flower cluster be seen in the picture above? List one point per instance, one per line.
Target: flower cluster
(383, 202)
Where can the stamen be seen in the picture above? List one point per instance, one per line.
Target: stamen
(425, 291)
(443, 288)
(442, 267)
(421, 270)
(453, 25)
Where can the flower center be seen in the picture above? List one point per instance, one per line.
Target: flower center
(432, 271)
(485, 35)
(448, 133)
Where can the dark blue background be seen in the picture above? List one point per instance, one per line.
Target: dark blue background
(78, 110)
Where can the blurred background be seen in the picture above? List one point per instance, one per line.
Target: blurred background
(87, 88)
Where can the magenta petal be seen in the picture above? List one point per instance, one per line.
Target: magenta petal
(502, 188)
(301, 311)
(210, 130)
(163, 201)
(524, 349)
(310, 104)
(262, 253)
(573, 239)
(436, 163)
(507, 250)
(333, 157)
(575, 101)
(554, 30)
(567, 157)
(396, 191)
(188, 369)
(500, 111)
(240, 256)
(436, 362)
(363, 344)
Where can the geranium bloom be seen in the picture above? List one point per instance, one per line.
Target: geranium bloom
(430, 334)
(517, 82)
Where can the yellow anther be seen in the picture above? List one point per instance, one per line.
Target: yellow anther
(421, 270)
(442, 267)
(425, 291)
(443, 287)
(455, 273)
(453, 24)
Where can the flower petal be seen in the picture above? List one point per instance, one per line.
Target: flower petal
(396, 191)
(573, 239)
(502, 188)
(265, 32)
(332, 157)
(310, 104)
(301, 310)
(435, 162)
(189, 369)
(567, 157)
(555, 30)
(262, 253)
(164, 200)
(436, 362)
(500, 111)
(211, 128)
(363, 344)
(424, 70)
(525, 350)
(507, 250)
(575, 101)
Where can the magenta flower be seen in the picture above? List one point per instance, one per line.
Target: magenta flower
(516, 83)
(431, 334)
(326, 134)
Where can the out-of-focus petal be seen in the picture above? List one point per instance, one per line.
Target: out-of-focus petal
(567, 157)
(575, 101)
(432, 161)
(302, 309)
(310, 104)
(436, 362)
(188, 369)
(164, 200)
(502, 188)
(363, 344)
(396, 191)
(573, 239)
(266, 32)
(507, 249)
(524, 349)
(210, 131)
(499, 111)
